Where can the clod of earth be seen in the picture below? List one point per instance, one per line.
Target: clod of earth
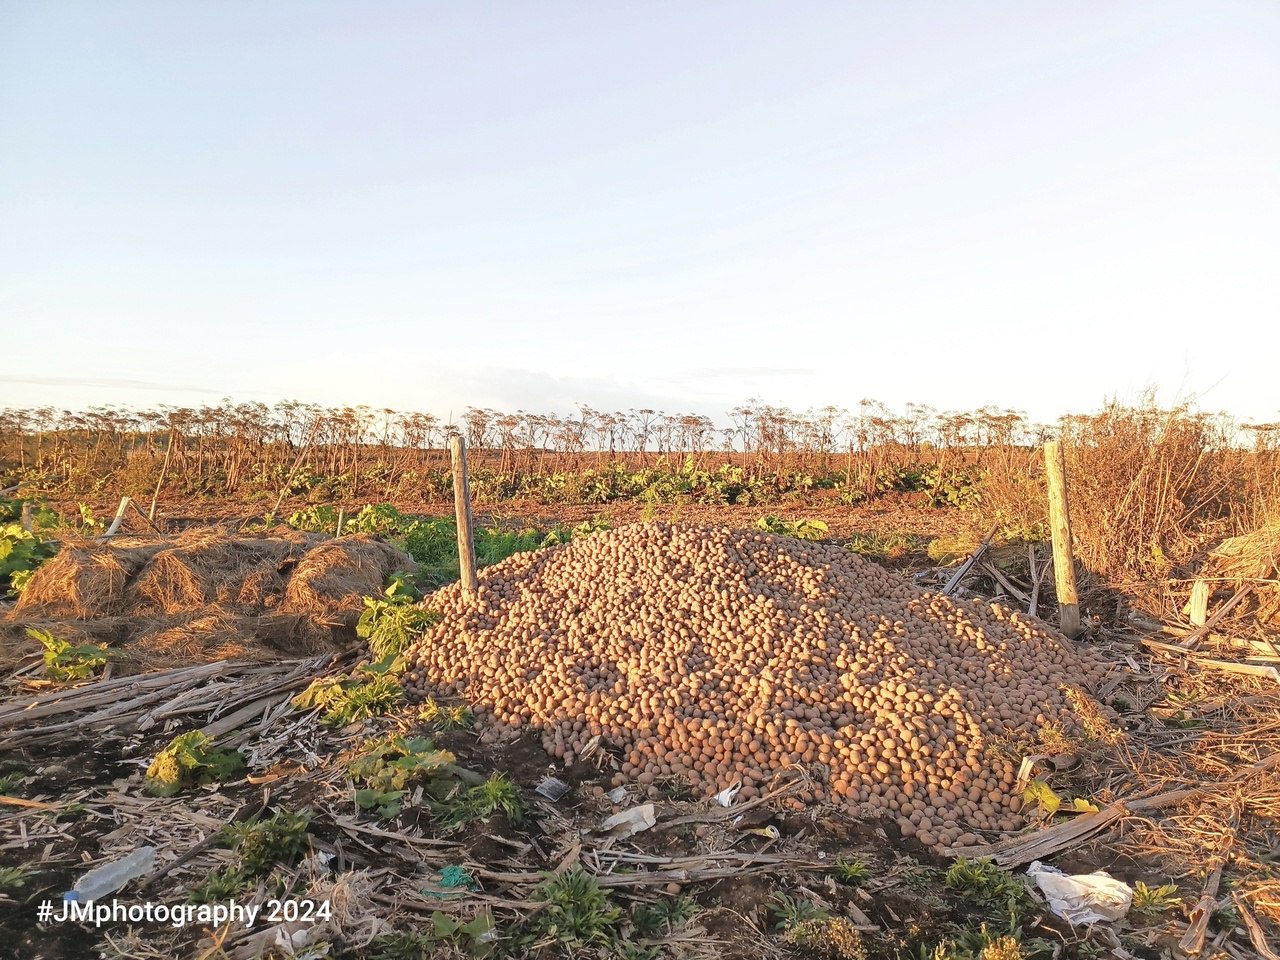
(711, 655)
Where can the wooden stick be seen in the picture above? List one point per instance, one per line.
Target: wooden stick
(164, 470)
(1198, 605)
(138, 510)
(462, 513)
(1060, 525)
(115, 524)
(998, 575)
(1037, 574)
(1192, 941)
(965, 567)
(1256, 934)
(1198, 634)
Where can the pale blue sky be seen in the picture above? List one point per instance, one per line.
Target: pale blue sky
(531, 204)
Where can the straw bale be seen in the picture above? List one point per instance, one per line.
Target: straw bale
(79, 583)
(335, 576)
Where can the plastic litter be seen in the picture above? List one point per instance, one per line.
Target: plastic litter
(1082, 897)
(725, 796)
(632, 821)
(453, 880)
(552, 789)
(110, 877)
(617, 794)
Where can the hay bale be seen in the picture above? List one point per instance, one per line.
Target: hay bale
(208, 566)
(81, 582)
(334, 577)
(170, 584)
(204, 595)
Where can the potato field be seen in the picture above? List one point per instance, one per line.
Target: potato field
(774, 702)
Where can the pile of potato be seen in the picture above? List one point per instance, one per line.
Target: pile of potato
(720, 656)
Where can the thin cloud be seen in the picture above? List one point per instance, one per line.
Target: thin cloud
(728, 373)
(107, 382)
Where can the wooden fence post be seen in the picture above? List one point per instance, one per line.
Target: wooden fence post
(1064, 573)
(462, 513)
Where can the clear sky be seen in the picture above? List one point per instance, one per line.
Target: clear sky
(429, 205)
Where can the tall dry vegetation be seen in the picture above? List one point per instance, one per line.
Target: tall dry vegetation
(1151, 487)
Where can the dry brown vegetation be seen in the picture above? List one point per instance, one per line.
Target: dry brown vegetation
(203, 595)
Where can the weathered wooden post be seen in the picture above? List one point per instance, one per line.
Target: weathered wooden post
(1064, 572)
(462, 513)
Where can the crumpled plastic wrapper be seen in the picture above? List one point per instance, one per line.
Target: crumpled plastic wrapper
(1082, 897)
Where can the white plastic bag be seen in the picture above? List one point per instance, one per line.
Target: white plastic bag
(1082, 897)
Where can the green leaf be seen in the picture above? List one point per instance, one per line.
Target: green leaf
(1042, 795)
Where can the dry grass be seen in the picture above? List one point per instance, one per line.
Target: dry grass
(338, 574)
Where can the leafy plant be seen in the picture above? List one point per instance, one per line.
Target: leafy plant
(12, 878)
(484, 800)
(1152, 900)
(222, 884)
(796, 529)
(1041, 794)
(66, 661)
(391, 622)
(852, 872)
(259, 845)
(21, 552)
(577, 909)
(263, 843)
(457, 717)
(663, 917)
(387, 767)
(11, 781)
(789, 911)
(475, 938)
(984, 884)
(369, 691)
(189, 758)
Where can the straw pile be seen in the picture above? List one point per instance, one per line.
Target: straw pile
(204, 595)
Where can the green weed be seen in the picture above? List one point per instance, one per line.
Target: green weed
(259, 845)
(578, 910)
(190, 758)
(1153, 900)
(796, 529)
(985, 885)
(663, 917)
(789, 911)
(496, 794)
(369, 691)
(64, 661)
(387, 767)
(830, 938)
(13, 878)
(852, 872)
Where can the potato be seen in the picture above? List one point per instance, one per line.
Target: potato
(697, 652)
